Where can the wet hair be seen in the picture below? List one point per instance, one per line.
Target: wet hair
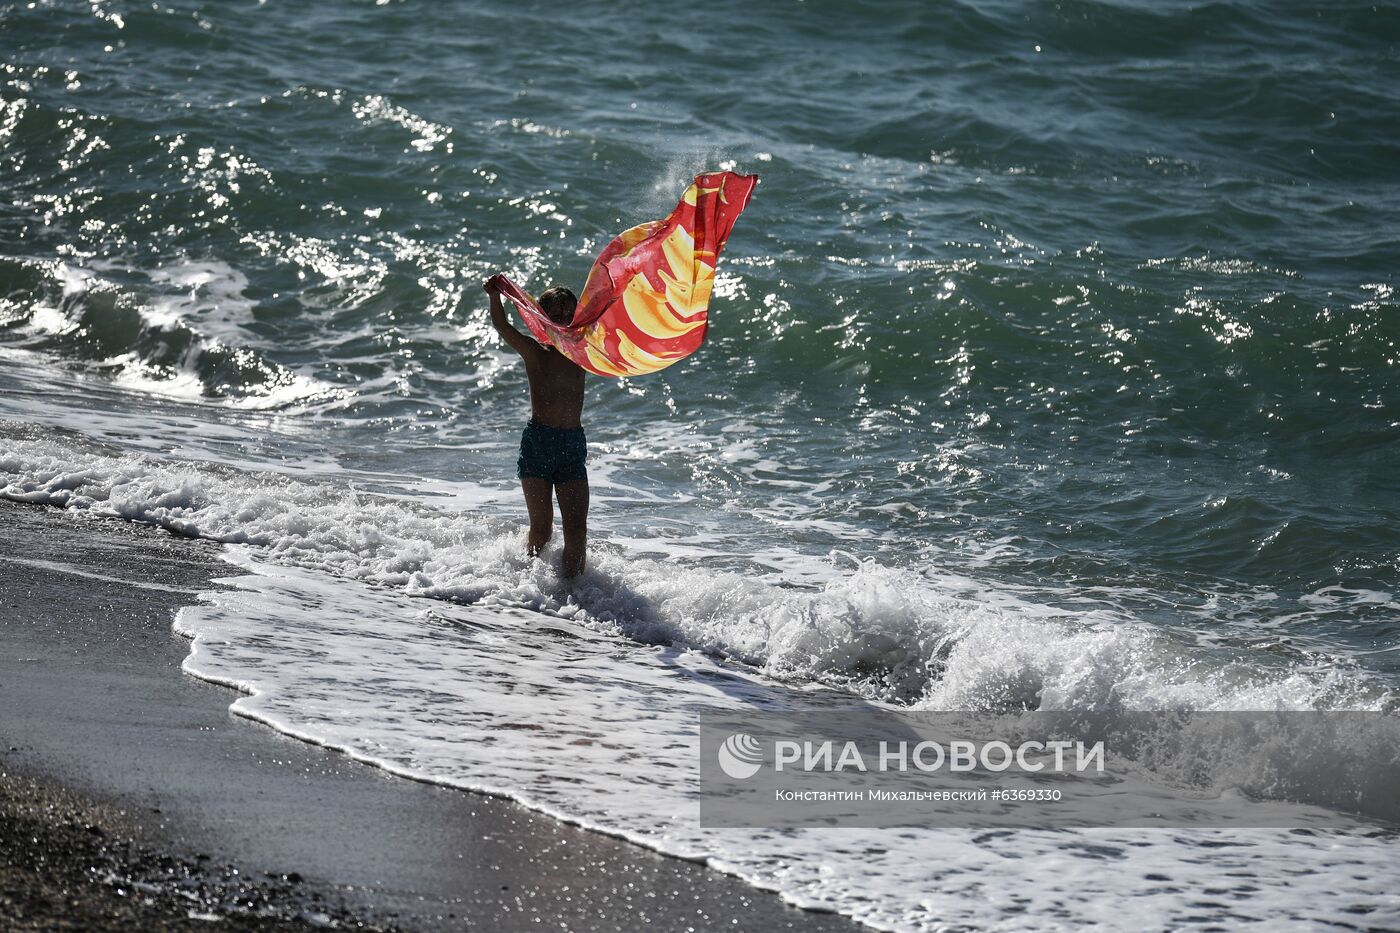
(558, 304)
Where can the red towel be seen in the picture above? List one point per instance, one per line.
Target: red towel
(646, 302)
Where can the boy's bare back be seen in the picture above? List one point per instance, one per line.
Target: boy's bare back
(556, 388)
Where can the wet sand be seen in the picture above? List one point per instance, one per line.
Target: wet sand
(195, 811)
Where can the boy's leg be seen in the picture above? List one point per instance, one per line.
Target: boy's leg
(573, 515)
(541, 509)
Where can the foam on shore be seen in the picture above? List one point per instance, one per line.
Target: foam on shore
(876, 631)
(582, 703)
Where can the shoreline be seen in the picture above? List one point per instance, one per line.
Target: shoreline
(108, 731)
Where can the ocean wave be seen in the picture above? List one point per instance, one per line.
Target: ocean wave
(880, 632)
(179, 330)
(576, 723)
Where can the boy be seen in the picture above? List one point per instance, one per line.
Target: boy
(553, 447)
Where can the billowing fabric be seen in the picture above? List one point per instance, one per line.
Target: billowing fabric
(646, 302)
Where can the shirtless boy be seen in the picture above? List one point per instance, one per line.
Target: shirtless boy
(553, 447)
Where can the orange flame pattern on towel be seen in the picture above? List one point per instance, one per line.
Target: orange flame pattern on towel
(646, 302)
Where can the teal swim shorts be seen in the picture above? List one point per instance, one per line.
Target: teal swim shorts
(555, 454)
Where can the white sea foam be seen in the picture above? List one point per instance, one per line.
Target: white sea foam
(882, 632)
(538, 698)
(595, 729)
(209, 294)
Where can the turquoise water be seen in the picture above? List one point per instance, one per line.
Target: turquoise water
(1089, 302)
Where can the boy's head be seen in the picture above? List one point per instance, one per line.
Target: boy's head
(558, 304)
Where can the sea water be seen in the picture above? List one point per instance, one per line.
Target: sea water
(1053, 365)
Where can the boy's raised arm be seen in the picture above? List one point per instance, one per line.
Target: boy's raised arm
(520, 343)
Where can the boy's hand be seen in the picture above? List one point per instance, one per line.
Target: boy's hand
(491, 285)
